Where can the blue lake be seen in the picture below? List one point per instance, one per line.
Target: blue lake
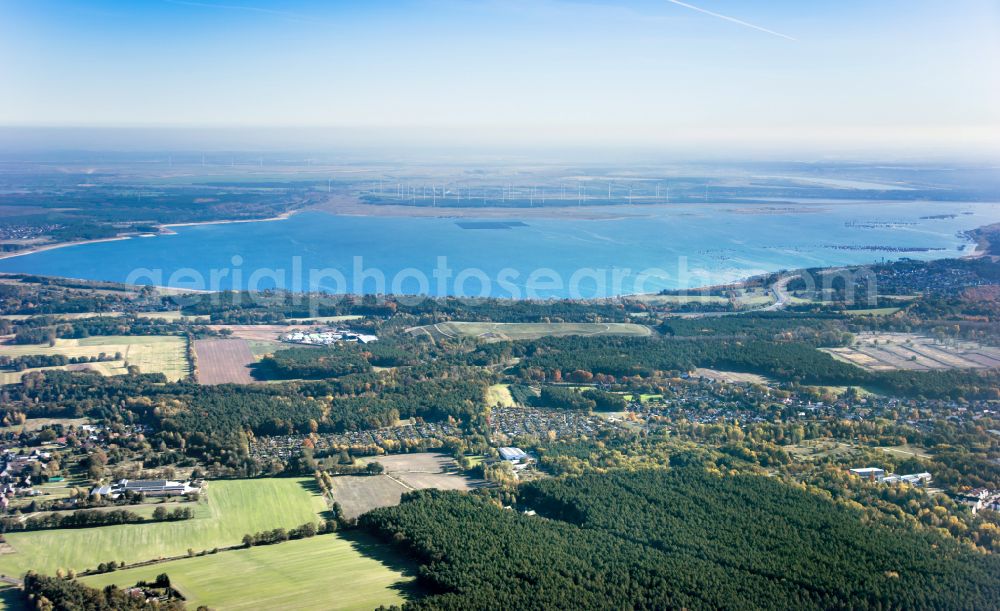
(681, 246)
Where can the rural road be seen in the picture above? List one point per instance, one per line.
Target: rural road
(780, 291)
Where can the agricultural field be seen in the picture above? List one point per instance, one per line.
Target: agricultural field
(171, 316)
(908, 451)
(233, 508)
(741, 298)
(263, 347)
(324, 572)
(729, 376)
(641, 398)
(164, 354)
(499, 394)
(817, 449)
(499, 331)
(254, 332)
(891, 351)
(224, 361)
(33, 424)
(360, 494)
(403, 473)
(872, 312)
(753, 298)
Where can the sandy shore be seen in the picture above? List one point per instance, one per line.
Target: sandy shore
(980, 240)
(284, 215)
(34, 249)
(163, 230)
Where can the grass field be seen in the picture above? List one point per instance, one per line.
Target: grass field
(498, 331)
(403, 473)
(171, 316)
(908, 450)
(643, 398)
(816, 449)
(499, 394)
(730, 376)
(324, 572)
(262, 347)
(33, 424)
(234, 508)
(679, 299)
(741, 298)
(151, 353)
(872, 312)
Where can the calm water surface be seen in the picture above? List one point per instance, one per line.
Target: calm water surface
(677, 247)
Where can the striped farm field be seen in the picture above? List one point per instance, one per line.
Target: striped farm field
(224, 361)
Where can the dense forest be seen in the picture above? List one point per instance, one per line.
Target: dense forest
(38, 330)
(312, 363)
(25, 294)
(558, 397)
(685, 538)
(278, 306)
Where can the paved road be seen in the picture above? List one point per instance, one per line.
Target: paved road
(780, 291)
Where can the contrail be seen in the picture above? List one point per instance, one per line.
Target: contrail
(732, 19)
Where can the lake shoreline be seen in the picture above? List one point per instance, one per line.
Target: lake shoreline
(970, 248)
(165, 229)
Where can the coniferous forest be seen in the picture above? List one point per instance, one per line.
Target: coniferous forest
(677, 539)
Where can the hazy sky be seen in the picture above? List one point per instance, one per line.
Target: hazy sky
(894, 73)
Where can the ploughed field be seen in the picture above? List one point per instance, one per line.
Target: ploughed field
(224, 361)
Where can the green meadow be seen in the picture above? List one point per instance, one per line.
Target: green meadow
(233, 509)
(324, 572)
